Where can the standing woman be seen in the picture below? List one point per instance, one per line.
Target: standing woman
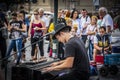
(76, 22)
(36, 29)
(91, 32)
(24, 34)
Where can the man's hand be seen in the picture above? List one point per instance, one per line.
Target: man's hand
(100, 49)
(28, 38)
(36, 28)
(54, 64)
(16, 28)
(48, 69)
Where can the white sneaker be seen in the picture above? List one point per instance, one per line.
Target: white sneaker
(15, 61)
(22, 61)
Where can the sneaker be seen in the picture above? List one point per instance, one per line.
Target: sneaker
(15, 61)
(22, 61)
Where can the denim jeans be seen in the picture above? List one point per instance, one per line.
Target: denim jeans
(18, 43)
(91, 50)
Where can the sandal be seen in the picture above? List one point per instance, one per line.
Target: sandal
(42, 58)
(33, 59)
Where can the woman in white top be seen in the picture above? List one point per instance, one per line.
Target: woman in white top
(91, 31)
(99, 21)
(76, 22)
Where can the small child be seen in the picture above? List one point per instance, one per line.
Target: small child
(69, 22)
(73, 29)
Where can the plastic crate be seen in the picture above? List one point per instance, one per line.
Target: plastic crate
(115, 49)
(99, 59)
(112, 59)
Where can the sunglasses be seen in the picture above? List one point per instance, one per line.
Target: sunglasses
(35, 14)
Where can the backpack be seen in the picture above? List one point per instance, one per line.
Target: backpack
(61, 20)
(100, 40)
(85, 18)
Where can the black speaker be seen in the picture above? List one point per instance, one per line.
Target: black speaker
(24, 73)
(115, 49)
(21, 73)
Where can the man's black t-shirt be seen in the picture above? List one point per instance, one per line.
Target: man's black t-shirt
(75, 48)
(14, 33)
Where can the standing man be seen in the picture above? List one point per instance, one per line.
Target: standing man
(44, 18)
(85, 21)
(107, 19)
(76, 58)
(60, 45)
(102, 43)
(96, 4)
(15, 27)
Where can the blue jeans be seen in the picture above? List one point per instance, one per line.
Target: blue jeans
(18, 43)
(91, 50)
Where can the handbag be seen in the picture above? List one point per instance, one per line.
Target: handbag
(87, 43)
(48, 37)
(24, 34)
(37, 34)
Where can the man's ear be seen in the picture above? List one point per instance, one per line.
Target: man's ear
(61, 33)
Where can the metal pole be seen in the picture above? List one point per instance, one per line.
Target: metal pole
(55, 50)
(55, 11)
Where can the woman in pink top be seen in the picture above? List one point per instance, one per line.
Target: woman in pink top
(37, 27)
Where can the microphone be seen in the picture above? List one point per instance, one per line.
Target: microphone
(47, 36)
(50, 33)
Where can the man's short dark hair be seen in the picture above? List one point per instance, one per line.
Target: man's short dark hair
(102, 27)
(84, 10)
(64, 30)
(14, 14)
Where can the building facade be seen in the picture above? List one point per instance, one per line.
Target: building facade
(90, 5)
